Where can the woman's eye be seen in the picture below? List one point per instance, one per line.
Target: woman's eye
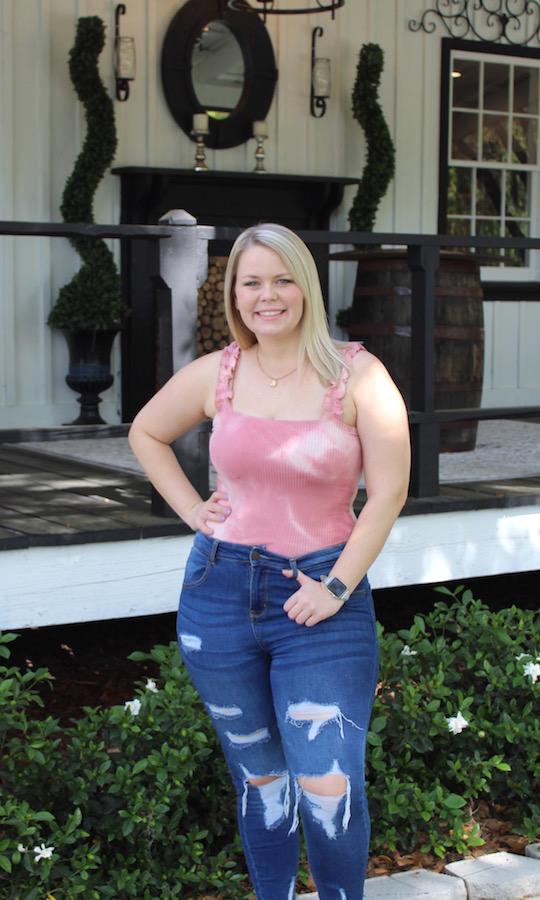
(285, 281)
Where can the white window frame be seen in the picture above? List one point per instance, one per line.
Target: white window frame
(503, 273)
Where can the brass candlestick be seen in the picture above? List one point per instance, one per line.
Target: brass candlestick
(259, 153)
(200, 152)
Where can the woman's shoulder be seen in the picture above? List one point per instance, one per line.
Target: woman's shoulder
(355, 355)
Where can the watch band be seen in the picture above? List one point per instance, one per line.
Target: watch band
(336, 587)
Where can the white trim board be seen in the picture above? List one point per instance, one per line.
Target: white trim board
(88, 582)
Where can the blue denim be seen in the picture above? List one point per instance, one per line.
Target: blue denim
(287, 701)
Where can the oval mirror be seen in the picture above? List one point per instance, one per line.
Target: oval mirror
(217, 70)
(221, 62)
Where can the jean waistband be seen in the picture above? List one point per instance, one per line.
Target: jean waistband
(257, 553)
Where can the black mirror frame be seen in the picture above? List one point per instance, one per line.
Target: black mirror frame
(260, 73)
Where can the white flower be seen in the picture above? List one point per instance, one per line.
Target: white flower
(456, 723)
(408, 652)
(43, 852)
(21, 848)
(533, 671)
(134, 706)
(151, 685)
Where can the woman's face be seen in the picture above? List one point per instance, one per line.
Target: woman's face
(269, 301)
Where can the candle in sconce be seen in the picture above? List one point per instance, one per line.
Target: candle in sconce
(260, 129)
(200, 123)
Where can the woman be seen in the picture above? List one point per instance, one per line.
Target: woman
(276, 624)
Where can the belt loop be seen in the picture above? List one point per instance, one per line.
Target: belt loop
(213, 550)
(293, 566)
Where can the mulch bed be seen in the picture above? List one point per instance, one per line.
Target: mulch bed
(89, 661)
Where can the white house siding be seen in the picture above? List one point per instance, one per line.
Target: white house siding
(42, 127)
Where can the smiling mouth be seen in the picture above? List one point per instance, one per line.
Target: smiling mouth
(270, 313)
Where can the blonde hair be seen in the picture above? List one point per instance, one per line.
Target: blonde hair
(316, 342)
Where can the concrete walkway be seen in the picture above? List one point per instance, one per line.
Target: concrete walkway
(493, 876)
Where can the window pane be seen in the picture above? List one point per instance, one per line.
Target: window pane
(495, 138)
(489, 228)
(525, 90)
(464, 135)
(524, 140)
(459, 226)
(459, 190)
(465, 83)
(517, 193)
(516, 256)
(488, 192)
(496, 86)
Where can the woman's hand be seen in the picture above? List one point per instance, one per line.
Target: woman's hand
(215, 509)
(311, 603)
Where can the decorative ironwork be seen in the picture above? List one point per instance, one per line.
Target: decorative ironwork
(488, 20)
(271, 7)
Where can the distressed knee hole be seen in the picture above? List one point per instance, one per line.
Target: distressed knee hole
(319, 714)
(264, 779)
(331, 806)
(274, 793)
(327, 785)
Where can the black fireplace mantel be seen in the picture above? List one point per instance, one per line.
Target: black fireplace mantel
(234, 199)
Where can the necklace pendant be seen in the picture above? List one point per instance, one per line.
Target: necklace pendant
(273, 383)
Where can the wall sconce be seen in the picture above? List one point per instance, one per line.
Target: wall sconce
(320, 78)
(124, 57)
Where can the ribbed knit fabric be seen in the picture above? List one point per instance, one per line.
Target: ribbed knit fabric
(290, 483)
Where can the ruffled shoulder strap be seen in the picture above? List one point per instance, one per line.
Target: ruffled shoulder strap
(333, 402)
(227, 365)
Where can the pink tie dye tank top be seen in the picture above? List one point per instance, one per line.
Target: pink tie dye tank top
(291, 484)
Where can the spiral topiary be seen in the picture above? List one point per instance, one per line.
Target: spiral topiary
(92, 299)
(380, 165)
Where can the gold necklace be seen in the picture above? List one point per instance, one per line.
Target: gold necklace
(273, 381)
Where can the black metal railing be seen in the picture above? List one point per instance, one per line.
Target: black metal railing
(423, 258)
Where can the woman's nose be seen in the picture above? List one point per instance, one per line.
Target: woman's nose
(268, 291)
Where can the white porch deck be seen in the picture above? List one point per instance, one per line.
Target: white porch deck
(485, 522)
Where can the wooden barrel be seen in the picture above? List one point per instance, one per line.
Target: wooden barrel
(382, 320)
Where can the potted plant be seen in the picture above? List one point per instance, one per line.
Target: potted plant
(380, 315)
(89, 309)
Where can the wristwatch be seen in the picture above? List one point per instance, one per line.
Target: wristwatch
(336, 587)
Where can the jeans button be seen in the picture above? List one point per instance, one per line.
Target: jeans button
(255, 554)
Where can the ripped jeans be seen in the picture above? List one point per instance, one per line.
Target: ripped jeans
(286, 701)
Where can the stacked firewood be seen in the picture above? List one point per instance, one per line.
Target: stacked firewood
(212, 330)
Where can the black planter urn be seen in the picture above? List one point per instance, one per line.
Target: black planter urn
(89, 370)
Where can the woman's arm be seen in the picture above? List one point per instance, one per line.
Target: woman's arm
(182, 403)
(381, 420)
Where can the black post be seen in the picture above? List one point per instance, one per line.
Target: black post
(140, 264)
(425, 436)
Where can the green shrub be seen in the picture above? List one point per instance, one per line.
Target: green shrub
(134, 803)
(424, 781)
(137, 802)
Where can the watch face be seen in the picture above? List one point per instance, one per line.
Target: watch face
(336, 587)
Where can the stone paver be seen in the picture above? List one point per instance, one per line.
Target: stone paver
(499, 876)
(416, 883)
(533, 850)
